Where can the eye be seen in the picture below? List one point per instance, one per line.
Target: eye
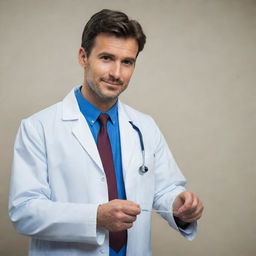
(106, 57)
(128, 62)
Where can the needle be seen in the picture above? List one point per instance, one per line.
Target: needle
(153, 210)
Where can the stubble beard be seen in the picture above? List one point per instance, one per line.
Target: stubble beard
(99, 95)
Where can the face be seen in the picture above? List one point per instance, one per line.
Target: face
(108, 69)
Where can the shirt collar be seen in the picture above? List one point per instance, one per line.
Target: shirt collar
(90, 112)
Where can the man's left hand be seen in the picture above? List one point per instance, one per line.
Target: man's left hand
(187, 207)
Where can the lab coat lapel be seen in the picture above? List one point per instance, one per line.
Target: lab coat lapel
(80, 128)
(129, 142)
(84, 136)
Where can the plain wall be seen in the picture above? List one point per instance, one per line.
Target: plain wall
(195, 77)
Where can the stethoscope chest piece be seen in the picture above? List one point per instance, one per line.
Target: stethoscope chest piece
(143, 169)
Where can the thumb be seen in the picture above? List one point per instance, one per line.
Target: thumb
(182, 202)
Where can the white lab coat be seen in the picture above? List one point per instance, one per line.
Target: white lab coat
(58, 181)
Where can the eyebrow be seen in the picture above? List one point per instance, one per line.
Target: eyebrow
(133, 60)
(106, 53)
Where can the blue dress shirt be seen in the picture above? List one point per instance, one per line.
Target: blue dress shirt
(91, 114)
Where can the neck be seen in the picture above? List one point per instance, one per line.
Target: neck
(102, 104)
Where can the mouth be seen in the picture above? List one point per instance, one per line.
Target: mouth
(112, 83)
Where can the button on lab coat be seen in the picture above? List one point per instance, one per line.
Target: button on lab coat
(58, 181)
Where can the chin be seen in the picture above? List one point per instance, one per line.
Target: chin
(110, 95)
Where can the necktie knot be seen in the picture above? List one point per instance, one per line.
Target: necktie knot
(103, 118)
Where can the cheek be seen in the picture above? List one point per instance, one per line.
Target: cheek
(127, 75)
(101, 71)
(100, 67)
(91, 74)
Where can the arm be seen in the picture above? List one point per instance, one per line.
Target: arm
(170, 186)
(31, 209)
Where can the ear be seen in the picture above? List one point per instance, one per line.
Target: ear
(82, 57)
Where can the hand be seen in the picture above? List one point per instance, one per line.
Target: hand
(187, 207)
(117, 215)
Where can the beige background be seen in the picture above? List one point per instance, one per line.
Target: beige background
(196, 77)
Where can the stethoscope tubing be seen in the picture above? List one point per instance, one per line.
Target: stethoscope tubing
(143, 168)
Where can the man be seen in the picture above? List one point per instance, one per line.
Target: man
(87, 171)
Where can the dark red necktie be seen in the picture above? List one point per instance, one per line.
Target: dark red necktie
(116, 239)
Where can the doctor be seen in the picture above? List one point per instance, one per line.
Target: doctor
(87, 170)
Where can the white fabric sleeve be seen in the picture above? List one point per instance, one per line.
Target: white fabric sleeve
(169, 183)
(31, 209)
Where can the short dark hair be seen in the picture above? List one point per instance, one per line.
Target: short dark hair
(114, 23)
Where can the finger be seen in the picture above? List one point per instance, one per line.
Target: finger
(197, 207)
(129, 219)
(191, 207)
(120, 226)
(192, 211)
(197, 214)
(199, 211)
(188, 201)
(126, 206)
(127, 225)
(132, 209)
(191, 218)
(125, 218)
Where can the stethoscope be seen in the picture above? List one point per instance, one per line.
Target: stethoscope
(143, 169)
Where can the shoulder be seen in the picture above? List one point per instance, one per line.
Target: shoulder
(45, 115)
(152, 136)
(143, 121)
(40, 121)
(55, 112)
(136, 115)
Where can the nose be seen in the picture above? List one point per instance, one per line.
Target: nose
(115, 70)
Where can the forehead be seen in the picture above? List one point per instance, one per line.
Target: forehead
(117, 46)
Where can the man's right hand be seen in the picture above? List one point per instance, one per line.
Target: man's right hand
(117, 215)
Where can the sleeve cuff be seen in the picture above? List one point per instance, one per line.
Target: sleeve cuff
(181, 224)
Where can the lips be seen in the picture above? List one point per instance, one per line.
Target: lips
(112, 82)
